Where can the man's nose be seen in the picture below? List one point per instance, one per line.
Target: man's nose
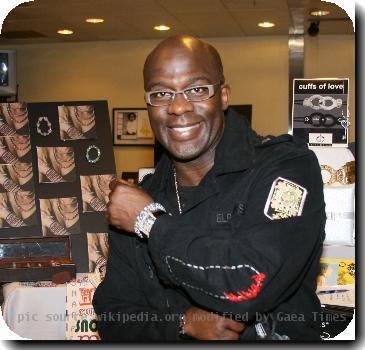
(180, 105)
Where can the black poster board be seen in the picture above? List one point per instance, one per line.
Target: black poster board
(44, 131)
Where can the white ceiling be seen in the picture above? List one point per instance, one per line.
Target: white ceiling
(134, 19)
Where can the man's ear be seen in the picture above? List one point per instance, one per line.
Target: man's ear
(225, 93)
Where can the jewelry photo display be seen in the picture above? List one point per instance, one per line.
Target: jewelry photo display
(320, 111)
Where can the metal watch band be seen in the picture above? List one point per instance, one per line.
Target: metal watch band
(146, 219)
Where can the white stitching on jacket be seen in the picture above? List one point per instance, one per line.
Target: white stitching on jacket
(204, 268)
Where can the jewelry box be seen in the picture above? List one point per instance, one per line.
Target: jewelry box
(36, 259)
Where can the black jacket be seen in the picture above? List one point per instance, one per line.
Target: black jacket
(223, 253)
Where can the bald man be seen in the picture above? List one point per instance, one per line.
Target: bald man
(223, 241)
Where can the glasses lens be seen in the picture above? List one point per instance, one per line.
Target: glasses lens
(160, 98)
(197, 93)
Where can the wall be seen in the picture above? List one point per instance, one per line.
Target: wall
(334, 57)
(255, 67)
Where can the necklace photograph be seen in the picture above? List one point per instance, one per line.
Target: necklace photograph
(17, 209)
(77, 122)
(98, 249)
(67, 207)
(20, 146)
(6, 156)
(59, 216)
(95, 191)
(56, 164)
(14, 119)
(25, 201)
(64, 157)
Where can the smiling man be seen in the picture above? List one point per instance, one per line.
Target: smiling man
(224, 239)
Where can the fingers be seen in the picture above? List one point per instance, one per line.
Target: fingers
(229, 335)
(119, 182)
(112, 184)
(234, 325)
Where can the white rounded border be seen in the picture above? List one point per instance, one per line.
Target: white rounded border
(8, 5)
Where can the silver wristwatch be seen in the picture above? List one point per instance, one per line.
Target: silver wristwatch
(146, 218)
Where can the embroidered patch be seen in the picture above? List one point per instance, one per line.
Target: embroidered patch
(286, 199)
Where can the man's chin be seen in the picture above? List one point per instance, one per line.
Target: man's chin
(186, 155)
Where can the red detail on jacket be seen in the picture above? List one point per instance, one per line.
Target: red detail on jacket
(250, 292)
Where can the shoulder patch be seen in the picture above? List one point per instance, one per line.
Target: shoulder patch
(286, 199)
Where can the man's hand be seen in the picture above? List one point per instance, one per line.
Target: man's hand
(204, 325)
(126, 201)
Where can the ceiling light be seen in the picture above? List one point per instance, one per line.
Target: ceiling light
(94, 20)
(266, 24)
(319, 13)
(161, 27)
(65, 31)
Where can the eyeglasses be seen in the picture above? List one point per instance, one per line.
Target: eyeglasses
(193, 94)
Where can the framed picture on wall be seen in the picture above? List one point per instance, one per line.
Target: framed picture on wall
(132, 127)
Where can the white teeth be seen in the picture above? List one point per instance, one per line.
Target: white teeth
(185, 128)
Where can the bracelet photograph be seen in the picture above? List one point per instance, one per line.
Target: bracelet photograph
(17, 209)
(95, 191)
(77, 122)
(14, 119)
(59, 216)
(56, 164)
(44, 126)
(98, 249)
(93, 154)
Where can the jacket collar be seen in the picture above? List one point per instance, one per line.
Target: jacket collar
(236, 149)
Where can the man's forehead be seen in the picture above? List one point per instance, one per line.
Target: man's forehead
(183, 55)
(172, 54)
(176, 61)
